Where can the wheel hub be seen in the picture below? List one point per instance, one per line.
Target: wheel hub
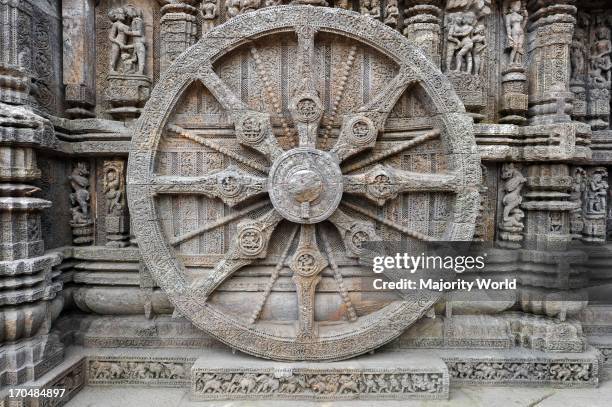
(305, 185)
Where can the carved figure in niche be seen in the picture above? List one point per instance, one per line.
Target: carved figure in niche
(514, 181)
(480, 44)
(112, 192)
(515, 22)
(138, 38)
(79, 199)
(601, 60)
(578, 50)
(391, 13)
(596, 191)
(460, 44)
(132, 54)
(117, 36)
(370, 8)
(578, 188)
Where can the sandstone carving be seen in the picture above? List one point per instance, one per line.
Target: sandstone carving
(182, 176)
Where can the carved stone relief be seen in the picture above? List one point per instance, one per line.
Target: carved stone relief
(312, 189)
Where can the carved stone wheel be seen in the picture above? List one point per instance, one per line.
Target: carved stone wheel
(270, 151)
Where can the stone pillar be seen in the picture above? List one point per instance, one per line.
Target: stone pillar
(179, 29)
(79, 57)
(554, 284)
(422, 27)
(550, 32)
(28, 286)
(548, 206)
(15, 51)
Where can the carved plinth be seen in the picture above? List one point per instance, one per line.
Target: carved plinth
(510, 236)
(594, 229)
(578, 88)
(127, 95)
(599, 107)
(381, 376)
(515, 99)
(29, 360)
(14, 85)
(82, 233)
(117, 228)
(470, 89)
(80, 101)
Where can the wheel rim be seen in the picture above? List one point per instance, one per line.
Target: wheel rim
(305, 190)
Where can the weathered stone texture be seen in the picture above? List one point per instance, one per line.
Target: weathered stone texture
(181, 174)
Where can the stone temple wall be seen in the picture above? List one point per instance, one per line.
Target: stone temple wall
(179, 204)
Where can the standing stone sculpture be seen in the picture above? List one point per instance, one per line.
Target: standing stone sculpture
(515, 22)
(577, 194)
(595, 205)
(512, 216)
(82, 225)
(116, 219)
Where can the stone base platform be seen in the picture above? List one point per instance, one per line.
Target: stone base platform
(381, 376)
(216, 374)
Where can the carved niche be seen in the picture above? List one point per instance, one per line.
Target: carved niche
(262, 163)
(466, 50)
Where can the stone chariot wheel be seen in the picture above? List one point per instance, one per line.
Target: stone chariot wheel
(270, 151)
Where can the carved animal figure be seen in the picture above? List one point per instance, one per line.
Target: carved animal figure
(268, 384)
(247, 383)
(212, 385)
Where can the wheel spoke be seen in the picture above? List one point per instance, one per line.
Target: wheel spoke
(306, 107)
(231, 185)
(410, 233)
(220, 90)
(273, 277)
(251, 243)
(359, 131)
(253, 129)
(307, 263)
(350, 308)
(383, 183)
(354, 232)
(214, 146)
(271, 96)
(433, 134)
(219, 222)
